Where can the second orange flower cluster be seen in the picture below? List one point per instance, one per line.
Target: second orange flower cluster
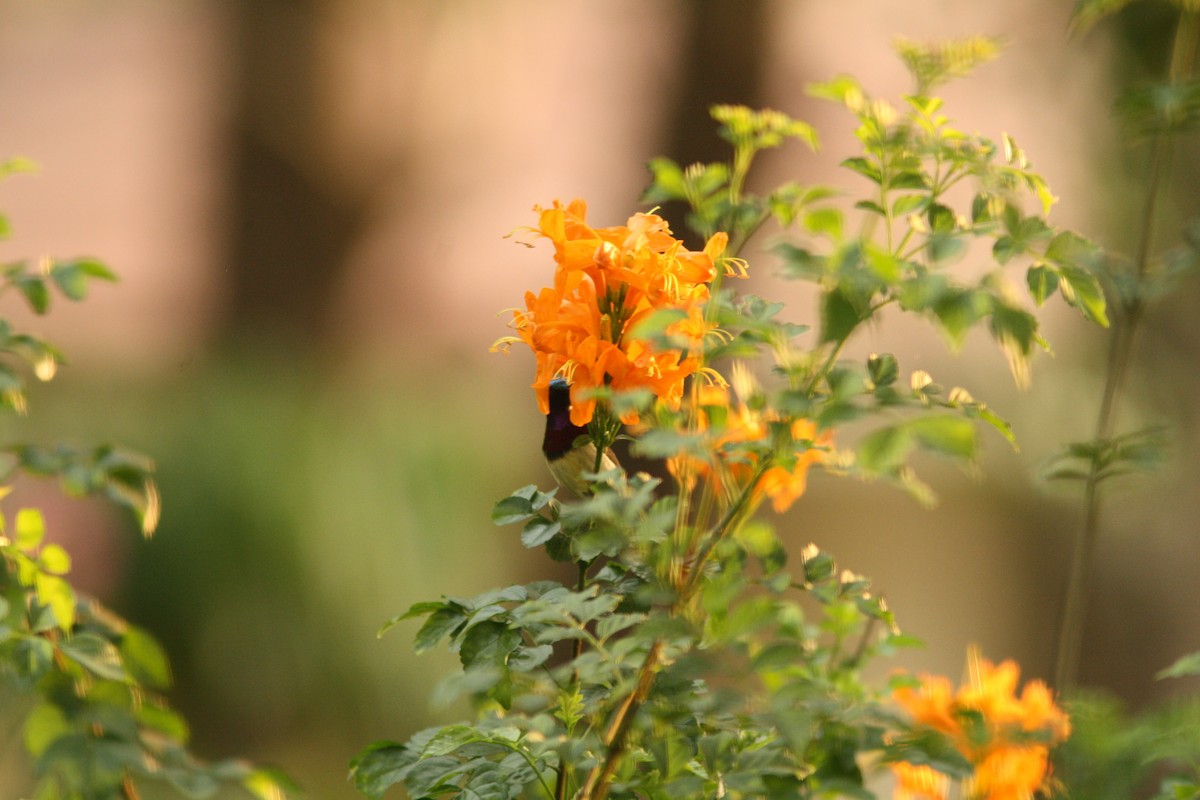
(607, 281)
(1006, 738)
(735, 437)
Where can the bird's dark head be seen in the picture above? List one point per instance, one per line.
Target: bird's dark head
(560, 432)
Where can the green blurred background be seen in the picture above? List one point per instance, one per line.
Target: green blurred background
(306, 201)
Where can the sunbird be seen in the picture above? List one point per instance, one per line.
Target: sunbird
(569, 453)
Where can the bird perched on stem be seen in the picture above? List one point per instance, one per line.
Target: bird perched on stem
(569, 450)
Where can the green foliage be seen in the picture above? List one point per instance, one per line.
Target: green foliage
(99, 725)
(1114, 755)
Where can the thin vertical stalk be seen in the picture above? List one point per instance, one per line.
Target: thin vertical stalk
(1125, 328)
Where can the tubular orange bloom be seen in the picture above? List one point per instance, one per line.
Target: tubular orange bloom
(921, 782)
(733, 429)
(932, 705)
(1010, 773)
(1007, 738)
(606, 281)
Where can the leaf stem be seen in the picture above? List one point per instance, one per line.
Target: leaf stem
(601, 775)
(1119, 356)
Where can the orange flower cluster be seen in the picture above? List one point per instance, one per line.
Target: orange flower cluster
(1007, 738)
(734, 430)
(608, 280)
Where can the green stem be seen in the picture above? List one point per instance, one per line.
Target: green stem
(528, 760)
(598, 780)
(1119, 357)
(732, 516)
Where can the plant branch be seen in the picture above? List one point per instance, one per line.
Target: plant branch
(601, 775)
(1117, 367)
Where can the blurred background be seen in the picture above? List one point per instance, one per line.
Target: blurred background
(307, 202)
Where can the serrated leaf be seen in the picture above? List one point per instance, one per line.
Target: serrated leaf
(439, 625)
(865, 168)
(511, 510)
(666, 181)
(97, 655)
(379, 767)
(538, 531)
(488, 645)
(449, 739)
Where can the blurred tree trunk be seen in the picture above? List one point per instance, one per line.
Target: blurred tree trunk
(291, 227)
(723, 46)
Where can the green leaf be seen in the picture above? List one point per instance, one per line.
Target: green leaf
(1162, 109)
(824, 221)
(33, 287)
(883, 369)
(144, 658)
(957, 310)
(31, 529)
(1081, 289)
(515, 508)
(538, 531)
(934, 64)
(666, 181)
(96, 655)
(801, 263)
(163, 720)
(949, 435)
(488, 644)
(865, 168)
(56, 593)
(449, 739)
(45, 724)
(883, 451)
(269, 784)
(54, 560)
(1042, 281)
(33, 656)
(909, 204)
(379, 767)
(72, 277)
(1015, 331)
(439, 625)
(15, 165)
(839, 317)
(1186, 666)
